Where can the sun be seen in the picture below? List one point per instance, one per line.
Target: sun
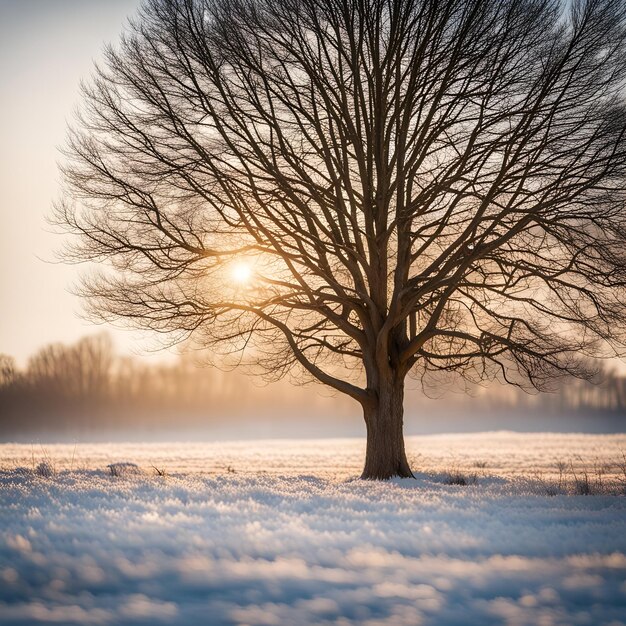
(241, 273)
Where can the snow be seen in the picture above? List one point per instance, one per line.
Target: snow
(280, 532)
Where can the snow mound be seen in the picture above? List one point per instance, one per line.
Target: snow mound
(124, 469)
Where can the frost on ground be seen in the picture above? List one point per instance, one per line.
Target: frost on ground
(281, 533)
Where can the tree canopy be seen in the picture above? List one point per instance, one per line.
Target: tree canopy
(357, 190)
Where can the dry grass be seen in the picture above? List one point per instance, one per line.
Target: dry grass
(575, 477)
(456, 476)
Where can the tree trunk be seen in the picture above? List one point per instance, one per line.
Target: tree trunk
(385, 456)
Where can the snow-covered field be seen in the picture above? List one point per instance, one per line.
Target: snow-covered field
(280, 533)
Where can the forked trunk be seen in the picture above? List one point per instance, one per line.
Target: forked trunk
(385, 456)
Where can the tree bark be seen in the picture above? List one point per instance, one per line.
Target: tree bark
(385, 456)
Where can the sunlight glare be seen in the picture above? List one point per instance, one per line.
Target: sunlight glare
(241, 273)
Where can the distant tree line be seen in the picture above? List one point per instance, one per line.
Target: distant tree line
(88, 386)
(607, 392)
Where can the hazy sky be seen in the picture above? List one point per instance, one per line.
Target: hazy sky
(46, 47)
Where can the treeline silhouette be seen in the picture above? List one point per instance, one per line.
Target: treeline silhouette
(87, 387)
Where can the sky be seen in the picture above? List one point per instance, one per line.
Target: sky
(46, 48)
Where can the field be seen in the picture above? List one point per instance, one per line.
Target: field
(281, 532)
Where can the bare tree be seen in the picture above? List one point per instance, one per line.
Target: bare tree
(359, 190)
(82, 370)
(8, 371)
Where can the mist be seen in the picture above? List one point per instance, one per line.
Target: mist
(87, 391)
